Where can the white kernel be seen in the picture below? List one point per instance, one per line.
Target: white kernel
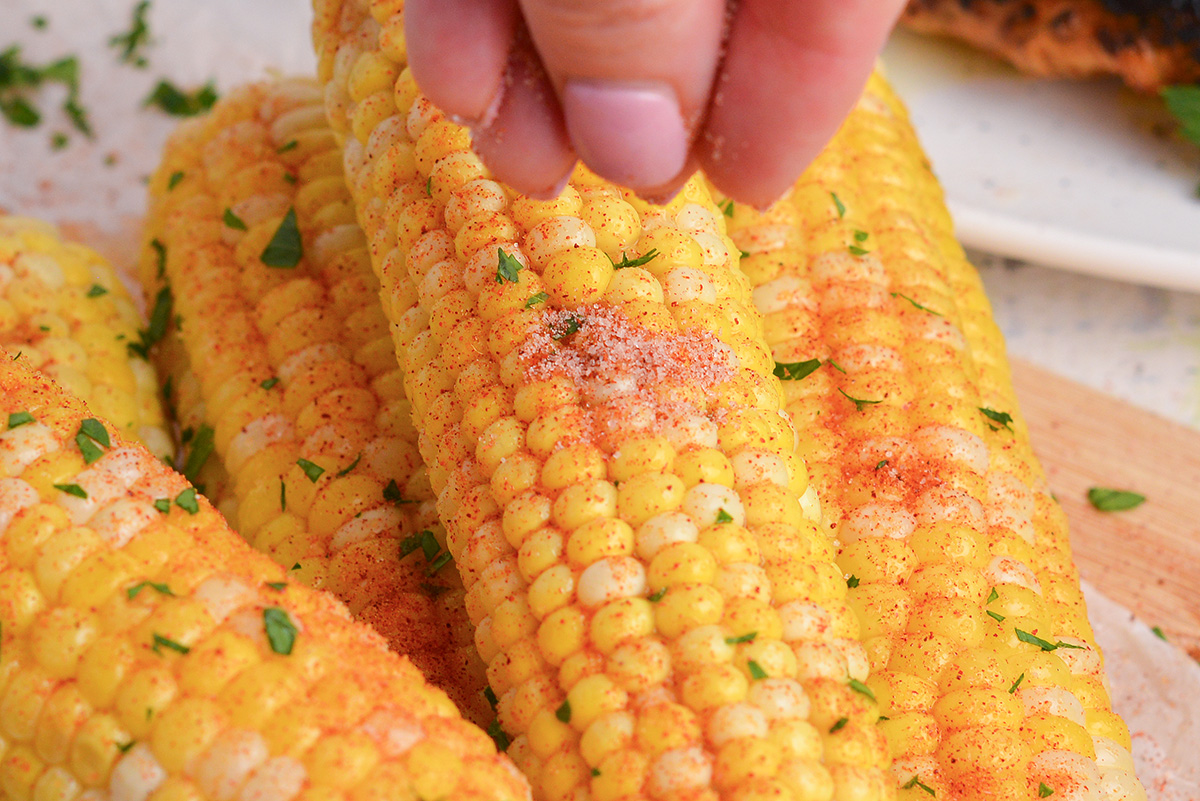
(804, 620)
(255, 437)
(334, 242)
(752, 467)
(662, 530)
(442, 278)
(222, 769)
(783, 293)
(735, 721)
(1082, 660)
(684, 284)
(384, 135)
(816, 659)
(1005, 489)
(1111, 754)
(713, 249)
(694, 218)
(947, 503)
(554, 235)
(1007, 570)
(609, 579)
(703, 645)
(480, 270)
(1049, 700)
(222, 595)
(858, 664)
(310, 357)
(905, 769)
(371, 524)
(877, 520)
(278, 779)
(691, 430)
(21, 446)
(15, 495)
(937, 329)
(1120, 785)
(953, 444)
(395, 732)
(40, 267)
(120, 521)
(679, 769)
(136, 775)
(810, 505)
(779, 699)
(704, 503)
(852, 295)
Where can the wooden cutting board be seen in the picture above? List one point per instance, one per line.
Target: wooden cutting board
(1148, 558)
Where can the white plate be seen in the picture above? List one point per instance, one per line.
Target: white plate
(1073, 174)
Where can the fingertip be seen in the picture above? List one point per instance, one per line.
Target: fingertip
(525, 144)
(458, 51)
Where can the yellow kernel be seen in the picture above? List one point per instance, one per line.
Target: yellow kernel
(666, 726)
(648, 495)
(573, 465)
(704, 465)
(615, 223)
(637, 456)
(523, 516)
(621, 621)
(743, 759)
(597, 539)
(639, 665)
(585, 502)
(592, 697)
(551, 590)
(978, 706)
(1045, 732)
(606, 734)
(714, 685)
(577, 277)
(681, 563)
(686, 606)
(540, 551)
(561, 634)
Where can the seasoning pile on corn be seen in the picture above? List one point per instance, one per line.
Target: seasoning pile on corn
(732, 505)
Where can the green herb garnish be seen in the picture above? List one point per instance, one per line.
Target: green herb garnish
(186, 501)
(281, 632)
(179, 103)
(161, 642)
(997, 420)
(1114, 500)
(723, 516)
(859, 403)
(795, 371)
(19, 419)
(285, 248)
(563, 713)
(162, 589)
(917, 305)
(313, 471)
(138, 36)
(638, 262)
(743, 638)
(72, 489)
(507, 268)
(233, 221)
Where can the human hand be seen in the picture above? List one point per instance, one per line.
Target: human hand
(647, 91)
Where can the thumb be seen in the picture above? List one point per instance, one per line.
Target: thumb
(634, 78)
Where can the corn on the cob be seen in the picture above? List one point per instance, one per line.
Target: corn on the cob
(302, 396)
(64, 311)
(660, 614)
(149, 655)
(981, 654)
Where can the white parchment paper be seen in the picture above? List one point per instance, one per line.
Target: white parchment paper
(95, 190)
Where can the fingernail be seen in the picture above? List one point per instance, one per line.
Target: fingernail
(552, 192)
(632, 134)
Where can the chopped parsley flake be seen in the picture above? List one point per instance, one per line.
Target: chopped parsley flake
(278, 586)
(841, 724)
(281, 632)
(915, 781)
(1158, 632)
(861, 236)
(233, 221)
(270, 382)
(162, 589)
(39, 22)
(756, 671)
(852, 581)
(993, 595)
(534, 300)
(858, 251)
(625, 261)
(916, 305)
(859, 403)
(160, 255)
(726, 207)
(291, 144)
(285, 248)
(837, 204)
(1183, 101)
(160, 318)
(723, 516)
(186, 501)
(313, 471)
(174, 101)
(569, 326)
(563, 713)
(1044, 790)
(161, 642)
(174, 180)
(72, 489)
(283, 505)
(997, 420)
(836, 366)
(859, 687)
(96, 291)
(163, 505)
(443, 559)
(490, 695)
(507, 268)
(391, 493)
(1114, 500)
(198, 451)
(880, 463)
(19, 78)
(133, 40)
(999, 618)
(1016, 684)
(1033, 639)
(658, 595)
(19, 419)
(345, 472)
(795, 371)
(497, 734)
(743, 638)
